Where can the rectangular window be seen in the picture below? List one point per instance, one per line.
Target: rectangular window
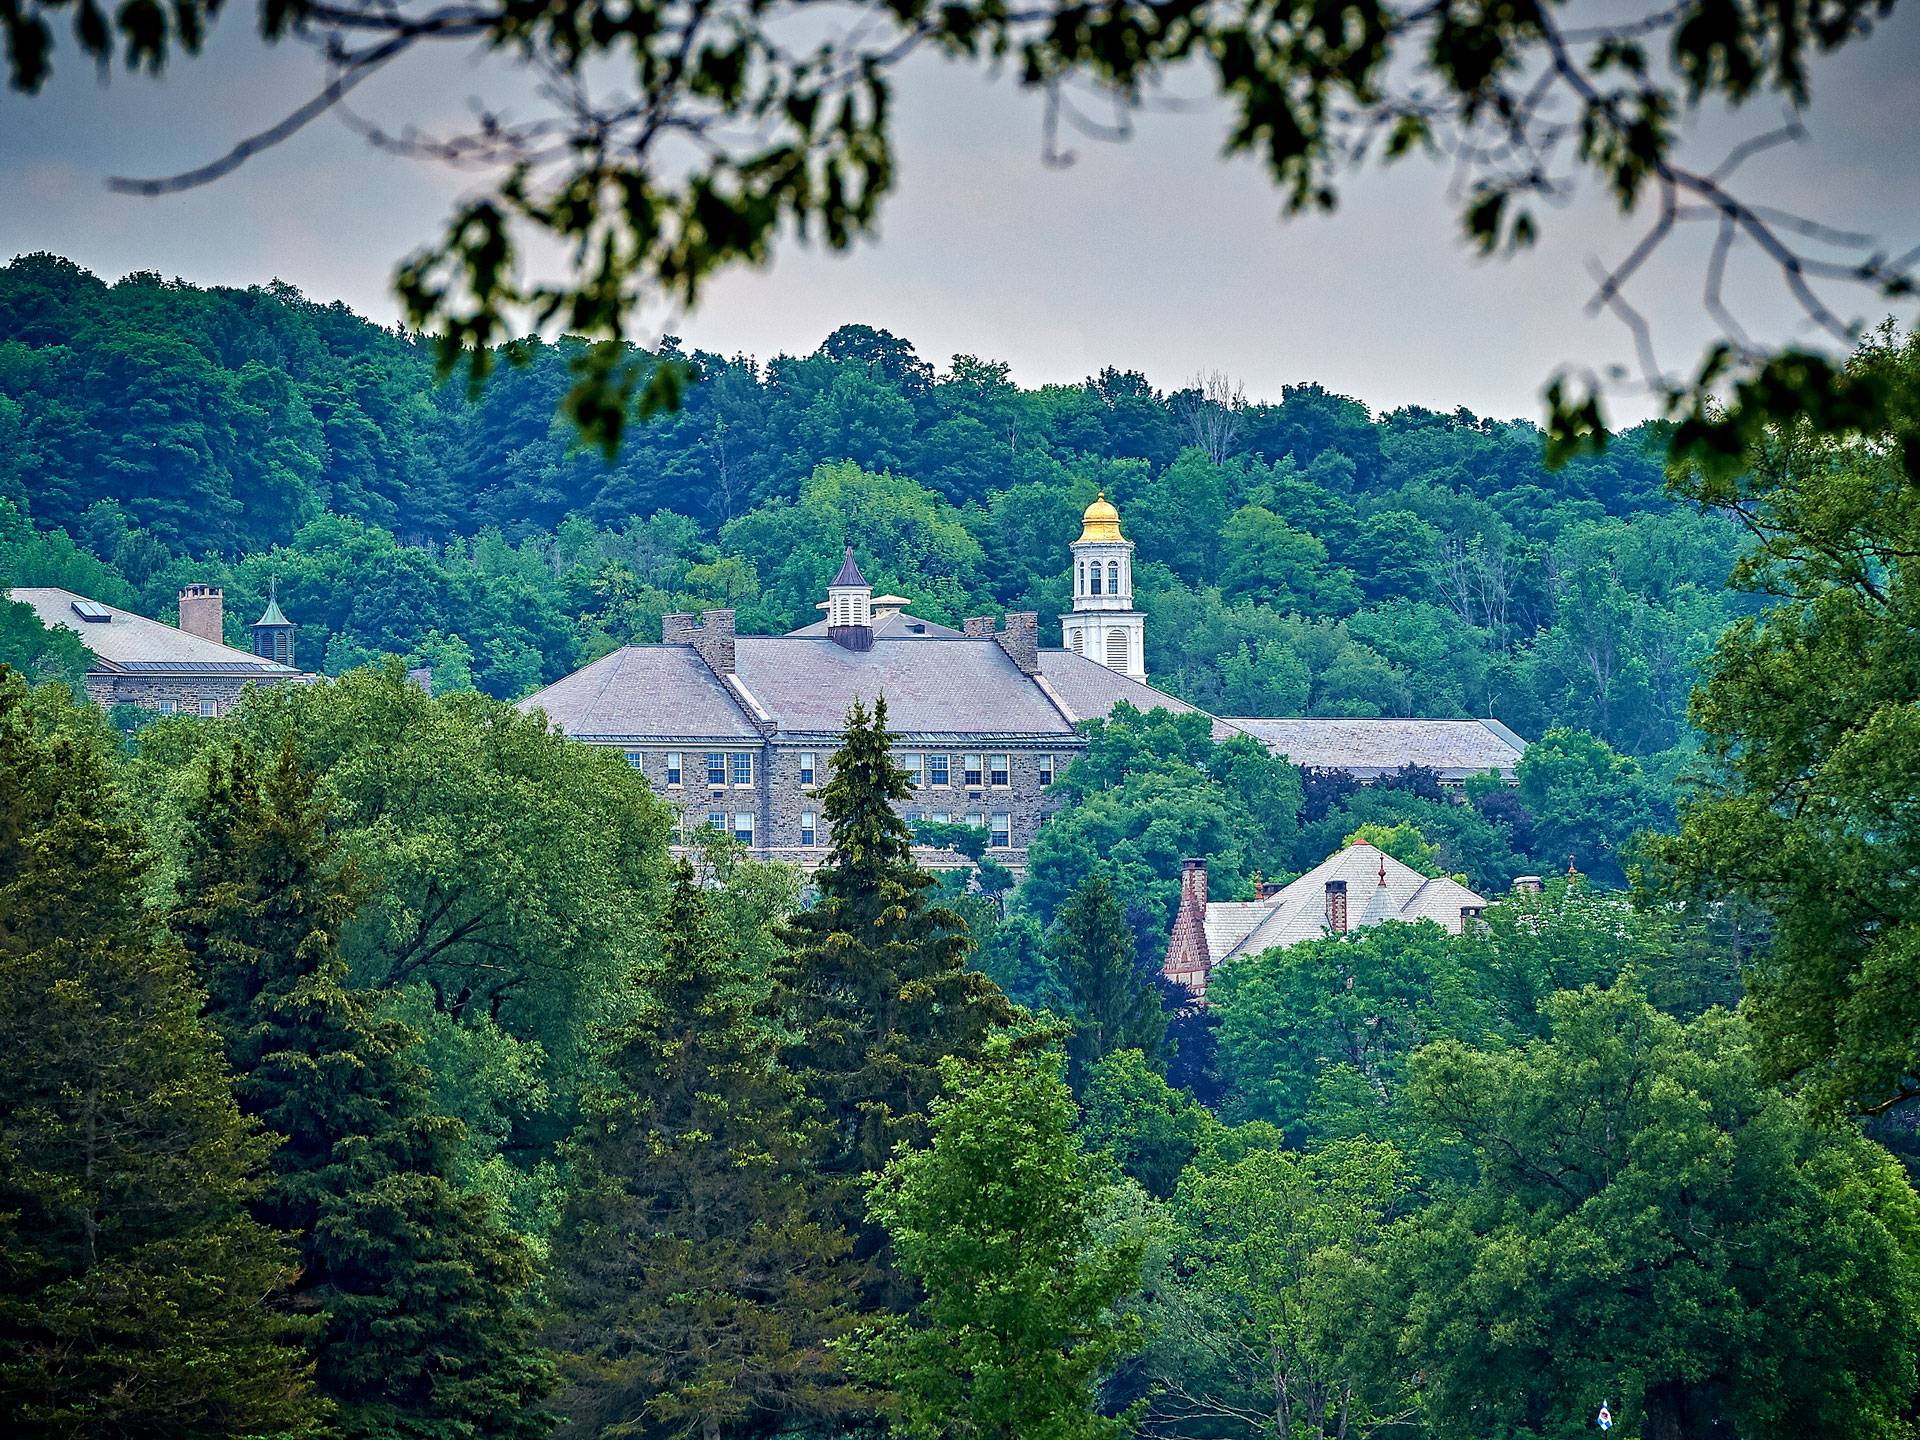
(740, 766)
(209, 707)
(941, 817)
(635, 757)
(716, 768)
(976, 821)
(914, 817)
(1002, 829)
(167, 707)
(997, 770)
(1046, 770)
(806, 767)
(718, 820)
(915, 766)
(973, 772)
(743, 827)
(809, 827)
(673, 767)
(938, 771)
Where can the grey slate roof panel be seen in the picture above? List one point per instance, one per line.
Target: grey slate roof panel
(642, 692)
(933, 686)
(1091, 690)
(896, 626)
(127, 641)
(1369, 748)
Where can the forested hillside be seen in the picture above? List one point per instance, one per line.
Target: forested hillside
(1297, 555)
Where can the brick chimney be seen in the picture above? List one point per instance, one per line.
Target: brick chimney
(203, 612)
(977, 626)
(1337, 907)
(1188, 958)
(1021, 640)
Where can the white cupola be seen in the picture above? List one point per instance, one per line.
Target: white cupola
(850, 606)
(1103, 625)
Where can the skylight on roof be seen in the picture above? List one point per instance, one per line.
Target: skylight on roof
(93, 612)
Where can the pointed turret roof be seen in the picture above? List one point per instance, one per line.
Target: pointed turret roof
(273, 615)
(849, 573)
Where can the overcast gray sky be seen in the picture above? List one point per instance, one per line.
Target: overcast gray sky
(1154, 254)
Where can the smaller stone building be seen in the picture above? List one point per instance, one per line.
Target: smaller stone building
(1361, 886)
(184, 669)
(1455, 750)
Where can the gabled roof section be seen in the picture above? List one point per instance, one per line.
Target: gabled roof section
(1368, 749)
(1299, 911)
(1091, 690)
(644, 692)
(935, 687)
(134, 644)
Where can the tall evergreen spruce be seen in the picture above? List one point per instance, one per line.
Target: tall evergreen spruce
(133, 1281)
(1113, 1006)
(695, 1293)
(425, 1326)
(875, 978)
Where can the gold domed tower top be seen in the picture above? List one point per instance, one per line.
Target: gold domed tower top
(1100, 522)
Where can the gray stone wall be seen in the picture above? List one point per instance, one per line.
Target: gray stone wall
(185, 691)
(779, 798)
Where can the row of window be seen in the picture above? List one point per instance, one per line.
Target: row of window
(739, 825)
(208, 707)
(735, 768)
(1090, 577)
(723, 767)
(936, 771)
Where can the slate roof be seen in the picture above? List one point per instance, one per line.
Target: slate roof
(934, 687)
(644, 692)
(1299, 911)
(133, 644)
(1456, 749)
(1090, 689)
(893, 625)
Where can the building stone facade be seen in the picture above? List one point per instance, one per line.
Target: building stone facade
(172, 669)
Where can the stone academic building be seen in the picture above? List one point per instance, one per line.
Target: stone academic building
(736, 729)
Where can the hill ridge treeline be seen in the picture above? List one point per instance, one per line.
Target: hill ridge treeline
(1296, 557)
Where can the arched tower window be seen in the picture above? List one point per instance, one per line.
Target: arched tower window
(1083, 577)
(1096, 579)
(1113, 577)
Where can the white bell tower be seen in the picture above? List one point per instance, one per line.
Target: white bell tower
(1103, 624)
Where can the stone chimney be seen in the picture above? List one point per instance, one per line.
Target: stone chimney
(977, 626)
(712, 637)
(1471, 922)
(1021, 640)
(1527, 885)
(1337, 907)
(203, 612)
(714, 640)
(1188, 958)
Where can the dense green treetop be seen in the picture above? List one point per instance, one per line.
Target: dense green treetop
(1640, 1219)
(139, 1296)
(426, 1329)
